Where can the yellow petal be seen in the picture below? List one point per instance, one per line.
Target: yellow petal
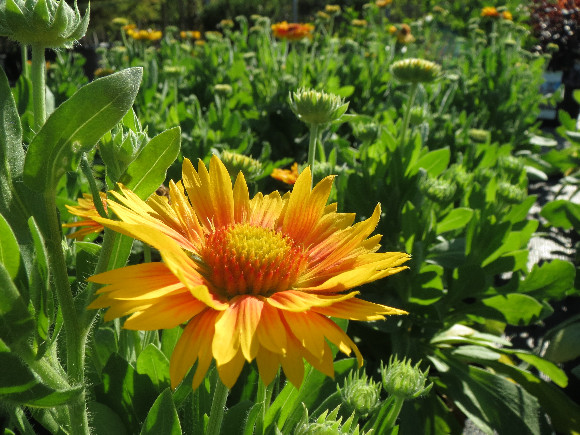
(268, 364)
(337, 336)
(265, 210)
(250, 312)
(167, 313)
(357, 309)
(230, 371)
(226, 341)
(241, 199)
(292, 362)
(305, 332)
(271, 332)
(298, 300)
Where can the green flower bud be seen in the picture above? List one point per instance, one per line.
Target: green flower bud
(48, 23)
(438, 190)
(173, 72)
(223, 89)
(360, 394)
(235, 163)
(478, 135)
(314, 107)
(366, 132)
(552, 48)
(484, 175)
(510, 42)
(511, 165)
(417, 115)
(415, 70)
(404, 381)
(509, 193)
(327, 424)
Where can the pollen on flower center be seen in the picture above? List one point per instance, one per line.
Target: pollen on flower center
(244, 259)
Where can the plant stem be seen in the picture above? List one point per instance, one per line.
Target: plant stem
(312, 148)
(86, 168)
(392, 416)
(24, 57)
(75, 350)
(407, 113)
(38, 78)
(218, 406)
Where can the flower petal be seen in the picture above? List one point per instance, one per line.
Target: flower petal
(230, 371)
(271, 332)
(268, 365)
(241, 199)
(304, 330)
(357, 309)
(298, 300)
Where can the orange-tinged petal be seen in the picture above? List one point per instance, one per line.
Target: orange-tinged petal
(221, 192)
(305, 206)
(250, 312)
(295, 300)
(241, 199)
(168, 313)
(268, 365)
(265, 210)
(357, 309)
(196, 186)
(230, 371)
(292, 362)
(271, 332)
(338, 337)
(325, 364)
(305, 332)
(226, 341)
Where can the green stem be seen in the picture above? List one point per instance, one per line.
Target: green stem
(38, 77)
(407, 113)
(86, 168)
(312, 148)
(218, 407)
(74, 339)
(24, 57)
(392, 416)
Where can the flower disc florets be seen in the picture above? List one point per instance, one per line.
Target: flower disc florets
(317, 107)
(48, 23)
(415, 70)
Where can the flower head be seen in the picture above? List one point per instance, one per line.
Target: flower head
(49, 23)
(292, 31)
(507, 15)
(85, 209)
(288, 176)
(490, 11)
(251, 279)
(404, 36)
(360, 394)
(383, 3)
(415, 70)
(328, 424)
(317, 107)
(403, 380)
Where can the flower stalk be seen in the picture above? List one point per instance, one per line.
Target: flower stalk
(218, 406)
(38, 78)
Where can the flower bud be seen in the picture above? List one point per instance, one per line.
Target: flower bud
(235, 163)
(509, 193)
(415, 70)
(314, 107)
(478, 135)
(404, 381)
(48, 23)
(327, 424)
(360, 394)
(223, 89)
(438, 190)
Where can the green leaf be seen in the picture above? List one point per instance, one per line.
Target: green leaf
(542, 141)
(20, 385)
(563, 346)
(556, 374)
(147, 172)
(153, 363)
(104, 420)
(76, 126)
(562, 213)
(162, 418)
(169, 338)
(455, 219)
(434, 162)
(16, 322)
(9, 250)
(236, 418)
(515, 308)
(553, 280)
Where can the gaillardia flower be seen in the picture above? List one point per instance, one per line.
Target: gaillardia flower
(87, 210)
(292, 31)
(251, 279)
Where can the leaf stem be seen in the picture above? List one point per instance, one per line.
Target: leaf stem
(312, 149)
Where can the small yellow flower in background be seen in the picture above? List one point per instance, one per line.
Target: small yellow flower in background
(129, 27)
(190, 34)
(507, 15)
(226, 24)
(359, 23)
(383, 3)
(142, 34)
(251, 279)
(288, 176)
(86, 209)
(292, 31)
(404, 36)
(120, 21)
(322, 15)
(332, 9)
(102, 72)
(489, 11)
(392, 29)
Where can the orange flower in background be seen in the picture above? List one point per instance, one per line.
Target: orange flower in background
(292, 31)
(288, 176)
(383, 3)
(507, 15)
(190, 34)
(86, 209)
(489, 11)
(251, 279)
(149, 34)
(404, 36)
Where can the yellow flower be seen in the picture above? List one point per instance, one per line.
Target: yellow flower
(292, 31)
(507, 15)
(359, 23)
(332, 9)
(383, 3)
(489, 11)
(405, 36)
(392, 29)
(86, 209)
(288, 176)
(251, 279)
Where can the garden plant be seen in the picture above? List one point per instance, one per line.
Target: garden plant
(275, 227)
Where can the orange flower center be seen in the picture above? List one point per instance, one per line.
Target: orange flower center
(244, 259)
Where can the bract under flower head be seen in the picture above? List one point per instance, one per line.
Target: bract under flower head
(48, 23)
(415, 70)
(251, 279)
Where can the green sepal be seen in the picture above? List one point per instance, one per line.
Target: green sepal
(76, 126)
